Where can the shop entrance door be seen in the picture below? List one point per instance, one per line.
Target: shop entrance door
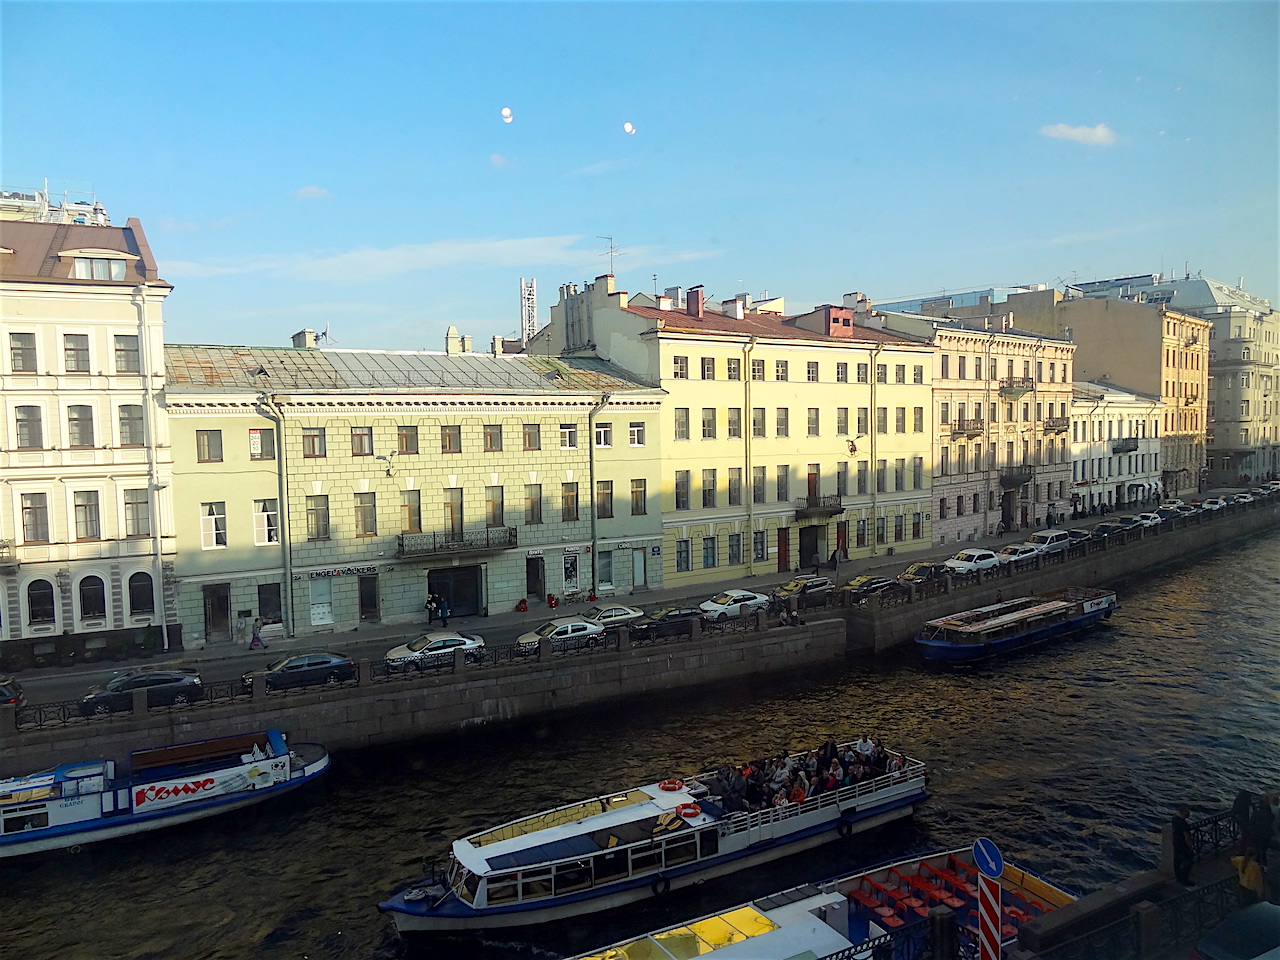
(638, 576)
(217, 612)
(812, 544)
(535, 578)
(369, 605)
(784, 549)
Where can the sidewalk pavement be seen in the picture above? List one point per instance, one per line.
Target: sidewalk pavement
(882, 563)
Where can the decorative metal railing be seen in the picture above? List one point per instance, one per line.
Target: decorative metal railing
(1114, 941)
(410, 545)
(967, 428)
(1016, 476)
(1057, 424)
(1188, 915)
(828, 505)
(55, 713)
(1214, 834)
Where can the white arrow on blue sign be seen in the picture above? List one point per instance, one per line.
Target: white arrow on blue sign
(987, 857)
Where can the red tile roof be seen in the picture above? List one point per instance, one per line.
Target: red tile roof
(754, 325)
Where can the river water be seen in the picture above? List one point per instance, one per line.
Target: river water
(1070, 757)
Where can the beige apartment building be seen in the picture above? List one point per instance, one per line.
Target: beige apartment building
(1001, 402)
(783, 439)
(325, 489)
(86, 535)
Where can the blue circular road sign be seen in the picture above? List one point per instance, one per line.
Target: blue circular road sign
(987, 857)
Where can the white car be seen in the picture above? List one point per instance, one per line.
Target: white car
(431, 649)
(967, 561)
(1244, 498)
(564, 633)
(1016, 551)
(1171, 505)
(612, 614)
(733, 603)
(1213, 503)
(1149, 520)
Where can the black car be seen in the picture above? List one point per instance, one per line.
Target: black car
(1109, 528)
(923, 572)
(859, 588)
(11, 693)
(164, 688)
(306, 669)
(666, 622)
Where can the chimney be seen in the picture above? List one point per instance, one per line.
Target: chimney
(496, 346)
(466, 343)
(452, 341)
(697, 296)
(734, 308)
(305, 339)
(665, 303)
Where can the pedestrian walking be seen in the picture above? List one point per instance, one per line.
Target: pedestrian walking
(256, 642)
(430, 607)
(1184, 851)
(444, 610)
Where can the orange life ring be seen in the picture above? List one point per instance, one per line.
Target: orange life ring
(671, 785)
(688, 810)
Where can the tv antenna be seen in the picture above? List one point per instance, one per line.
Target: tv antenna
(325, 336)
(610, 250)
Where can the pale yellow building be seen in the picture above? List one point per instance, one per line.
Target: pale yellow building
(783, 440)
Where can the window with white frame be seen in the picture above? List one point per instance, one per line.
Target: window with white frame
(568, 436)
(213, 525)
(75, 352)
(137, 513)
(266, 522)
(132, 433)
(636, 434)
(128, 354)
(86, 510)
(604, 434)
(683, 561)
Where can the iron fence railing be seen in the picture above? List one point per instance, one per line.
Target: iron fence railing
(1114, 941)
(650, 640)
(54, 713)
(743, 624)
(1213, 834)
(1188, 915)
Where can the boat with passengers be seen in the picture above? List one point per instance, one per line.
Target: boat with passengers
(628, 846)
(78, 803)
(1013, 624)
(877, 912)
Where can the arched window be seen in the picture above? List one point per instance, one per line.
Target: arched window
(142, 596)
(93, 598)
(40, 605)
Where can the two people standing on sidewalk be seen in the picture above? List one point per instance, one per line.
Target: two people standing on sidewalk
(437, 606)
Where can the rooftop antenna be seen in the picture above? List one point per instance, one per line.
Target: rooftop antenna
(655, 286)
(528, 309)
(609, 250)
(325, 336)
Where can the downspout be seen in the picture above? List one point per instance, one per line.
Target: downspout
(748, 431)
(153, 487)
(591, 473)
(874, 429)
(988, 433)
(276, 416)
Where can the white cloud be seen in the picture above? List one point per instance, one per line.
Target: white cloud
(310, 192)
(1099, 136)
(498, 160)
(604, 166)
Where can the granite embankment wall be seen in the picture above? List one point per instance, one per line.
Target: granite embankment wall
(387, 711)
(1095, 564)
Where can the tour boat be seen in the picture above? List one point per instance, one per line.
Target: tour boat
(628, 846)
(1012, 624)
(878, 912)
(78, 803)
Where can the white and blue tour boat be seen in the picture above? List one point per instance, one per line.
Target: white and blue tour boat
(878, 912)
(1012, 624)
(79, 803)
(624, 847)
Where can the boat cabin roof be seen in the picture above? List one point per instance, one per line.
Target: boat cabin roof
(1000, 615)
(48, 783)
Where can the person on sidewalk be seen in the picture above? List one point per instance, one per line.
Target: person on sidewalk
(431, 607)
(443, 608)
(256, 642)
(1184, 851)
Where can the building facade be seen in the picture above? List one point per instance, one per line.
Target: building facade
(323, 489)
(86, 532)
(783, 440)
(1115, 449)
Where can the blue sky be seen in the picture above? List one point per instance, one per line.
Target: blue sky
(304, 164)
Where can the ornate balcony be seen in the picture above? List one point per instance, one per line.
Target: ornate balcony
(8, 562)
(1013, 477)
(825, 506)
(1057, 424)
(418, 546)
(967, 428)
(1125, 445)
(1015, 388)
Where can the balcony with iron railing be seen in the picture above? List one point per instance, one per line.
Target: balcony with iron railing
(1057, 424)
(967, 428)
(1014, 388)
(411, 546)
(818, 506)
(8, 562)
(1014, 476)
(1125, 445)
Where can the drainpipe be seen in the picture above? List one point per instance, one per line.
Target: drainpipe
(747, 432)
(153, 486)
(591, 473)
(275, 415)
(987, 433)
(874, 429)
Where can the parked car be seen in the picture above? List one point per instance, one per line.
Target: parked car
(1251, 934)
(1243, 498)
(859, 588)
(432, 648)
(164, 688)
(1170, 504)
(1015, 552)
(1213, 503)
(1078, 534)
(807, 590)
(1149, 520)
(1187, 509)
(967, 561)
(1109, 528)
(1050, 541)
(733, 603)
(563, 632)
(305, 670)
(610, 615)
(666, 622)
(11, 693)
(924, 572)
(1169, 513)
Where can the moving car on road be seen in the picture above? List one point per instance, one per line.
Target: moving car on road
(564, 633)
(967, 561)
(164, 688)
(432, 649)
(305, 670)
(11, 693)
(1149, 520)
(733, 603)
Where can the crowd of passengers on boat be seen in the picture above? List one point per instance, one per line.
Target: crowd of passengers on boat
(777, 781)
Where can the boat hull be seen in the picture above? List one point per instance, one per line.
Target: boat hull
(949, 652)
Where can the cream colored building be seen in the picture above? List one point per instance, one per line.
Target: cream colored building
(86, 534)
(1001, 401)
(782, 439)
(485, 479)
(1115, 448)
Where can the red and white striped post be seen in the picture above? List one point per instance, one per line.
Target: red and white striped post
(990, 866)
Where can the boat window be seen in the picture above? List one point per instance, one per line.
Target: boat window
(681, 851)
(29, 818)
(708, 843)
(535, 884)
(646, 858)
(502, 889)
(611, 866)
(470, 884)
(573, 876)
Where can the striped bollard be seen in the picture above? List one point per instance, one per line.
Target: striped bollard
(990, 866)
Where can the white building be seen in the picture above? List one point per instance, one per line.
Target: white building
(1115, 448)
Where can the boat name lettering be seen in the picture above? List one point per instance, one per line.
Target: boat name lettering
(1098, 604)
(150, 794)
(343, 572)
(73, 802)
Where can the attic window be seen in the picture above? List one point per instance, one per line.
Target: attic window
(98, 268)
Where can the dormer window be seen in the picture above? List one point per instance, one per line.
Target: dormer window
(98, 268)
